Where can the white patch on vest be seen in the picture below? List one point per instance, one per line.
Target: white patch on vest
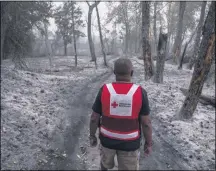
(118, 135)
(121, 104)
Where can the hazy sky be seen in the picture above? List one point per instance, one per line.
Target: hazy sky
(84, 7)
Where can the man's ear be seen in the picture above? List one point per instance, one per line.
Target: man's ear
(131, 73)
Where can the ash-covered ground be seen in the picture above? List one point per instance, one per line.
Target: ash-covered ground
(45, 117)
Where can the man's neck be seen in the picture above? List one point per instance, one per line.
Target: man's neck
(123, 81)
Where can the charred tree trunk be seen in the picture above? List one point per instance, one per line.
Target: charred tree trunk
(19, 61)
(161, 52)
(48, 50)
(202, 66)
(206, 100)
(74, 37)
(178, 38)
(145, 40)
(2, 42)
(91, 43)
(101, 37)
(126, 24)
(65, 48)
(54, 45)
(136, 32)
(155, 31)
(168, 28)
(197, 40)
(126, 39)
(185, 49)
(211, 75)
(4, 24)
(182, 57)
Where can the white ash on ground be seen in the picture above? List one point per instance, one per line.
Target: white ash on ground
(195, 138)
(33, 105)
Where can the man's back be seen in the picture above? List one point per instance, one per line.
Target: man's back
(139, 107)
(122, 106)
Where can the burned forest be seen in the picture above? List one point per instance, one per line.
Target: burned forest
(56, 57)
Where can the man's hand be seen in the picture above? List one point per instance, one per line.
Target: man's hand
(93, 141)
(94, 122)
(147, 132)
(147, 150)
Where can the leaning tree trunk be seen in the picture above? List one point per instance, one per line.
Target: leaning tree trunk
(155, 31)
(74, 37)
(182, 57)
(91, 43)
(202, 66)
(101, 37)
(197, 40)
(185, 49)
(158, 77)
(145, 40)
(178, 38)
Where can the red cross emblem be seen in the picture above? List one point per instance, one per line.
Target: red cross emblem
(114, 104)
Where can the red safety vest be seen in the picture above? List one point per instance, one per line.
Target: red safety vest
(121, 104)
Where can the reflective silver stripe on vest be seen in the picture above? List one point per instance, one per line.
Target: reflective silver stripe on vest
(132, 135)
(121, 104)
(110, 88)
(130, 92)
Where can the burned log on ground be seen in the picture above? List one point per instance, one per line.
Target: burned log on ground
(206, 100)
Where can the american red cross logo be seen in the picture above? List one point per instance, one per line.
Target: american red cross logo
(114, 104)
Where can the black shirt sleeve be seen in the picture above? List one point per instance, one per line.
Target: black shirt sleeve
(145, 110)
(97, 106)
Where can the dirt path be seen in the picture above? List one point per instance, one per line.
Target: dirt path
(71, 145)
(164, 156)
(66, 143)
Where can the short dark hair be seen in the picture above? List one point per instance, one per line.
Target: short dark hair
(123, 66)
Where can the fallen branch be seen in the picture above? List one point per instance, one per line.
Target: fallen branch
(206, 100)
(138, 62)
(169, 58)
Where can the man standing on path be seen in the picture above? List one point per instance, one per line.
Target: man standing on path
(124, 109)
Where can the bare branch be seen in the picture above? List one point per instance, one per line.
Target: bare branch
(192, 35)
(95, 4)
(162, 7)
(88, 3)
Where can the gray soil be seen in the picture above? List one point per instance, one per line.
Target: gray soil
(67, 148)
(68, 141)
